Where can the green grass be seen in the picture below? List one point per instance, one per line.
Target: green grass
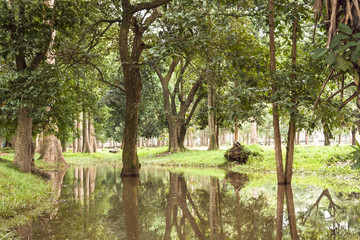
(187, 158)
(22, 195)
(319, 160)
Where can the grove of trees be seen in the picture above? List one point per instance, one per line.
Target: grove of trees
(83, 72)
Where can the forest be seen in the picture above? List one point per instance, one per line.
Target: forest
(216, 108)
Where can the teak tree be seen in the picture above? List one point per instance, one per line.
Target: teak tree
(130, 49)
(176, 119)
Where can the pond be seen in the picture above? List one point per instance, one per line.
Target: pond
(95, 203)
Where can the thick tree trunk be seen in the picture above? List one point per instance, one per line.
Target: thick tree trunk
(326, 138)
(133, 86)
(306, 138)
(75, 141)
(353, 135)
(53, 151)
(253, 132)
(236, 132)
(191, 139)
(24, 149)
(298, 138)
(86, 144)
(275, 108)
(80, 141)
(92, 136)
(211, 94)
(173, 134)
(181, 136)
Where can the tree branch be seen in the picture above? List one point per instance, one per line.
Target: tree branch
(149, 5)
(341, 90)
(322, 89)
(102, 79)
(348, 100)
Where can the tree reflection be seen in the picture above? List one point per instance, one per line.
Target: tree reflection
(285, 191)
(84, 184)
(130, 198)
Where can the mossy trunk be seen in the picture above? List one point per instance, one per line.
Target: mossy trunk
(353, 135)
(326, 138)
(53, 151)
(24, 148)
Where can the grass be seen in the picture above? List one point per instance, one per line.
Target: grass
(328, 161)
(22, 195)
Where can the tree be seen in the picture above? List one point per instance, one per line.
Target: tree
(26, 37)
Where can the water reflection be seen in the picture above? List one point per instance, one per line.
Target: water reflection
(285, 191)
(96, 203)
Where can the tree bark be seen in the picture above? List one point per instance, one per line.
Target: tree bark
(213, 145)
(75, 141)
(353, 135)
(79, 128)
(236, 132)
(92, 136)
(24, 149)
(275, 108)
(326, 138)
(298, 138)
(253, 132)
(293, 118)
(306, 138)
(86, 145)
(53, 150)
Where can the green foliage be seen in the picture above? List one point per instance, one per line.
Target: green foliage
(7, 150)
(355, 156)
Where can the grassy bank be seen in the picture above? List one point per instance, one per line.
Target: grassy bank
(329, 161)
(22, 195)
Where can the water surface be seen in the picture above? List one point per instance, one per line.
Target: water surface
(95, 203)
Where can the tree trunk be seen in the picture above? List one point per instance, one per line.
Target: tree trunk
(92, 136)
(253, 132)
(79, 128)
(353, 135)
(75, 141)
(306, 138)
(290, 149)
(133, 86)
(53, 151)
(24, 149)
(275, 108)
(173, 134)
(181, 136)
(298, 138)
(327, 138)
(86, 144)
(236, 132)
(192, 139)
(292, 123)
(211, 94)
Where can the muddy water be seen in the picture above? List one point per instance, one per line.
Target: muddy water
(95, 203)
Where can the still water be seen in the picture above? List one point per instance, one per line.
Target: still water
(95, 203)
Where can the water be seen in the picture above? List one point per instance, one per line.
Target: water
(95, 203)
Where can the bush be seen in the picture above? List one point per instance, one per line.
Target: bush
(7, 150)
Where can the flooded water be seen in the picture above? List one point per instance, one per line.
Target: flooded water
(95, 203)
